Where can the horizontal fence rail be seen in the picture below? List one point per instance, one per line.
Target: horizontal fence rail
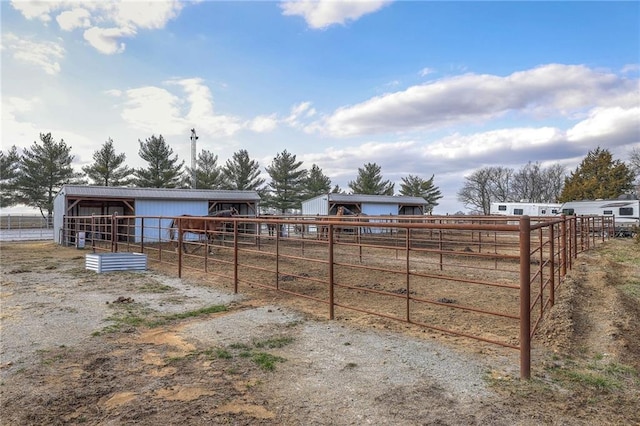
(23, 227)
(481, 277)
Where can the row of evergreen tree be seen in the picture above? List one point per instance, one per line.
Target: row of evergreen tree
(34, 176)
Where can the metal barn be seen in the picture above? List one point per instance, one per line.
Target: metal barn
(372, 205)
(82, 200)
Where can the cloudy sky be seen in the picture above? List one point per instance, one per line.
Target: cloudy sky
(419, 88)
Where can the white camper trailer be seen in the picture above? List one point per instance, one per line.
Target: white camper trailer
(528, 209)
(626, 212)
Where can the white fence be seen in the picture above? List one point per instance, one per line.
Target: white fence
(25, 228)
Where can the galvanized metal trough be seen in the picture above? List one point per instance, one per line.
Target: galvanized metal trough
(109, 262)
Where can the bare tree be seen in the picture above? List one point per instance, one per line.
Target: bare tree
(475, 193)
(485, 186)
(634, 160)
(553, 182)
(537, 184)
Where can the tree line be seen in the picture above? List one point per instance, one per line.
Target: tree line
(598, 176)
(34, 176)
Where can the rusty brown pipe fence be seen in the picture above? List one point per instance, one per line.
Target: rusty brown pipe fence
(486, 278)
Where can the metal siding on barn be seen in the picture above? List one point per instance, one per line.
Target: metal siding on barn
(58, 215)
(316, 206)
(167, 208)
(379, 209)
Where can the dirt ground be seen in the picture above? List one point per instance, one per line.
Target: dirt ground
(148, 348)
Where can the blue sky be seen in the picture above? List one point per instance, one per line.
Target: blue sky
(419, 88)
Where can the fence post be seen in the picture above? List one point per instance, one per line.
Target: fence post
(331, 295)
(114, 232)
(408, 269)
(563, 246)
(552, 265)
(235, 256)
(574, 255)
(525, 297)
(160, 238)
(180, 242)
(141, 233)
(93, 233)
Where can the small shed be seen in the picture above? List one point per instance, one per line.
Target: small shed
(372, 205)
(84, 200)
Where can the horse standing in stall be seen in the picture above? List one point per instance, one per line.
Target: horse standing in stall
(323, 230)
(271, 227)
(187, 224)
(363, 229)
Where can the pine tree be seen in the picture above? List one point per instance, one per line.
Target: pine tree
(107, 168)
(415, 186)
(9, 172)
(242, 173)
(208, 174)
(598, 176)
(162, 171)
(316, 183)
(44, 168)
(287, 182)
(369, 181)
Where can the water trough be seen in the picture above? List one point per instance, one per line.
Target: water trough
(109, 262)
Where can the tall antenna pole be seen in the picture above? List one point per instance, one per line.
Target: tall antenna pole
(194, 138)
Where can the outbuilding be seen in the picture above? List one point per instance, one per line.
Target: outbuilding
(83, 200)
(372, 205)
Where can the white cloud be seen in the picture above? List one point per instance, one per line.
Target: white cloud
(543, 91)
(74, 18)
(630, 68)
(159, 110)
(14, 104)
(112, 20)
(493, 143)
(321, 14)
(612, 126)
(35, 10)
(113, 92)
(298, 112)
(43, 54)
(426, 71)
(106, 40)
(263, 123)
(201, 112)
(154, 110)
(148, 15)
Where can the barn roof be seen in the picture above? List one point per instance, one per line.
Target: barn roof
(156, 193)
(383, 199)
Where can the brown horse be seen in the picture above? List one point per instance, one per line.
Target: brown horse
(201, 225)
(323, 230)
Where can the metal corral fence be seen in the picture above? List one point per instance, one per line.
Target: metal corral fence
(25, 227)
(484, 278)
